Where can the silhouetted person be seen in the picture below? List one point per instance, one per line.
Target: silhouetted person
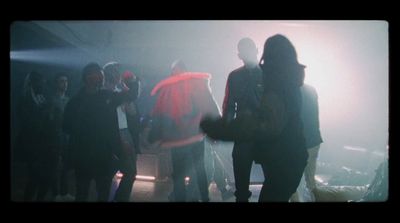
(277, 128)
(242, 96)
(34, 115)
(183, 99)
(312, 134)
(126, 163)
(59, 139)
(91, 121)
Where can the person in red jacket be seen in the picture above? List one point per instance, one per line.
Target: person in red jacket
(182, 100)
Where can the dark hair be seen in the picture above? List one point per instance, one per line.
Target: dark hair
(89, 69)
(279, 62)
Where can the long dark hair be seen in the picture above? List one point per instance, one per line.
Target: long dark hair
(280, 65)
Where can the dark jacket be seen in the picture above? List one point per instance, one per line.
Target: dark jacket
(242, 92)
(276, 126)
(91, 121)
(32, 140)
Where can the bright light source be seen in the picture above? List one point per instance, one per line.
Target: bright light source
(59, 56)
(119, 175)
(140, 177)
(187, 180)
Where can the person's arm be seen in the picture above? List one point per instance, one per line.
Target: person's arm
(212, 105)
(228, 107)
(128, 95)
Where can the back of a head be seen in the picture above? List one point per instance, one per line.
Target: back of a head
(280, 57)
(247, 50)
(246, 44)
(278, 49)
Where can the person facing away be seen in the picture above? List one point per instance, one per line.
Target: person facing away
(182, 100)
(276, 128)
(312, 134)
(242, 96)
(126, 163)
(90, 120)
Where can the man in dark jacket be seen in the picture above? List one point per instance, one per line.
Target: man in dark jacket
(242, 96)
(91, 121)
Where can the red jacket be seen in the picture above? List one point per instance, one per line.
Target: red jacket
(182, 101)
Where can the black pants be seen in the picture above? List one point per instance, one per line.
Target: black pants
(63, 181)
(127, 166)
(129, 171)
(215, 171)
(101, 176)
(282, 177)
(185, 159)
(243, 158)
(41, 177)
(42, 174)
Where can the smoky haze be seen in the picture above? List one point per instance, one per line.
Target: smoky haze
(347, 63)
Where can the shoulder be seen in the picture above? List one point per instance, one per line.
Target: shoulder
(309, 90)
(191, 77)
(236, 73)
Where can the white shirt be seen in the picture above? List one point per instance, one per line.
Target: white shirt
(122, 121)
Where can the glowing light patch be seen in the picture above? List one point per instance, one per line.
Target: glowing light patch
(140, 177)
(60, 56)
(354, 148)
(319, 180)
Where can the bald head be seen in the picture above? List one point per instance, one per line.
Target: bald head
(247, 51)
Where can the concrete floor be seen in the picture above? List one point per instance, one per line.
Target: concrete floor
(142, 191)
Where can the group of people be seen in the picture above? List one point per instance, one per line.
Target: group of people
(265, 106)
(267, 111)
(273, 119)
(94, 133)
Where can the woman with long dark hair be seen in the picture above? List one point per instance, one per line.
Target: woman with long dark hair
(283, 155)
(276, 128)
